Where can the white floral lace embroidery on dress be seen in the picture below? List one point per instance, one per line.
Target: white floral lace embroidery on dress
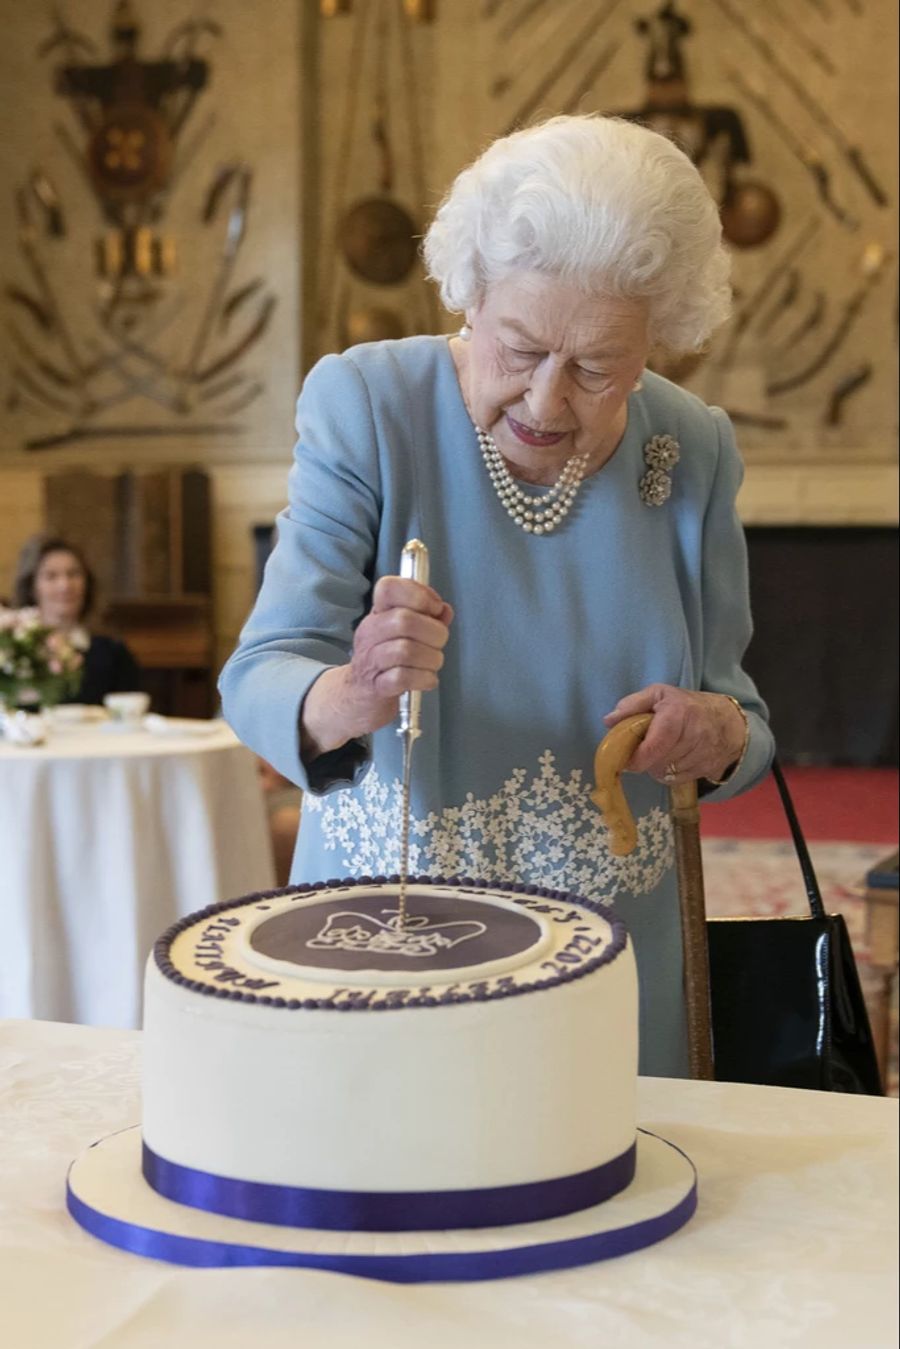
(543, 832)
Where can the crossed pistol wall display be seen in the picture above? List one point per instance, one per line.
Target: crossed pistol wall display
(156, 350)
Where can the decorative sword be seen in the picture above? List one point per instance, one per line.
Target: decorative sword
(413, 567)
(810, 161)
(874, 259)
(851, 153)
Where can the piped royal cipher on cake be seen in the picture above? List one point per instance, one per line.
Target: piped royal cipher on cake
(445, 1091)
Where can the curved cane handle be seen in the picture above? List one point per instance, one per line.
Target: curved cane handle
(610, 757)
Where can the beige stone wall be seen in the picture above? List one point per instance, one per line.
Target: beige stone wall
(255, 100)
(21, 514)
(483, 65)
(296, 96)
(248, 114)
(242, 497)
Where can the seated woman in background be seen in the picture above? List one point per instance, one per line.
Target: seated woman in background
(53, 576)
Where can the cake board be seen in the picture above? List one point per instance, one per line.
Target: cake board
(386, 1192)
(108, 1196)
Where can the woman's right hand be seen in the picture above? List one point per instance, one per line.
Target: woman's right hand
(397, 648)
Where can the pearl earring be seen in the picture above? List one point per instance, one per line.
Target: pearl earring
(465, 333)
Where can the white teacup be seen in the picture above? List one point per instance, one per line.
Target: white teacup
(128, 708)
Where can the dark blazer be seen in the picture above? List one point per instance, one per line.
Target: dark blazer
(109, 667)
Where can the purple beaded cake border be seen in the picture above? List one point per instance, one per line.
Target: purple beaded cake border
(164, 964)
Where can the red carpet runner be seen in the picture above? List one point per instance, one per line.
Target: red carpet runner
(834, 805)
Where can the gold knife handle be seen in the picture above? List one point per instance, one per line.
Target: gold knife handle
(413, 567)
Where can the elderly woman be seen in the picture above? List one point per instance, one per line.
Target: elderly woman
(53, 576)
(586, 559)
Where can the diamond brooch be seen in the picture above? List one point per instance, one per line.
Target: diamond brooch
(661, 454)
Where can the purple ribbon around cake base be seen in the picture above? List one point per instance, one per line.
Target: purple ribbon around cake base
(387, 1211)
(428, 1267)
(103, 1201)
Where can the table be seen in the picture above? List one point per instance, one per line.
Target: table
(105, 839)
(793, 1244)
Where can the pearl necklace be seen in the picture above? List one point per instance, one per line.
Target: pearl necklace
(534, 514)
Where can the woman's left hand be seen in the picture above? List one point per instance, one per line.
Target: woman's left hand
(692, 735)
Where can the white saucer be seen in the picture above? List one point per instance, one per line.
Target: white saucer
(77, 714)
(179, 726)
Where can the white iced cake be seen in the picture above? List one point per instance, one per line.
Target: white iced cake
(308, 1058)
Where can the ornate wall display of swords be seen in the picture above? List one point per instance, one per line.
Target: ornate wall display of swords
(757, 95)
(804, 332)
(714, 134)
(129, 124)
(371, 284)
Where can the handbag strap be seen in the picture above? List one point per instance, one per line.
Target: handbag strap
(813, 893)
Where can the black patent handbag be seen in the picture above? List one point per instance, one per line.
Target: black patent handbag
(786, 1003)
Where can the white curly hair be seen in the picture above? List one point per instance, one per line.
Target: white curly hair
(599, 201)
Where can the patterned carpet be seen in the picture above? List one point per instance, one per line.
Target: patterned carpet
(757, 876)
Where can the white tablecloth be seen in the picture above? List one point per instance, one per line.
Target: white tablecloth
(105, 839)
(794, 1242)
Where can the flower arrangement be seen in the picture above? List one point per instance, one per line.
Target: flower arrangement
(38, 664)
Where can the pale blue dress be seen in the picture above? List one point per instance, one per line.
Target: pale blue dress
(549, 633)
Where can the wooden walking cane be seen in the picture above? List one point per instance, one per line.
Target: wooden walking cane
(612, 754)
